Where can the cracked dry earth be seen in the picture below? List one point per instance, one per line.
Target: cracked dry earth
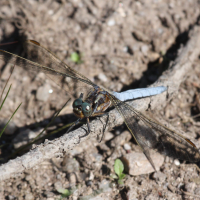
(122, 45)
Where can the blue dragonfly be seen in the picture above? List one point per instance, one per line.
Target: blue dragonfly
(148, 133)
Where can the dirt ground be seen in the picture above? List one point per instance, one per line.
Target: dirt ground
(122, 45)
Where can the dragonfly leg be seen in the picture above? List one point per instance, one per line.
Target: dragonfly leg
(104, 128)
(88, 125)
(87, 132)
(81, 96)
(101, 114)
(74, 124)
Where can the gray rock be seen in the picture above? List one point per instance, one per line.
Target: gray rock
(159, 176)
(71, 165)
(105, 185)
(136, 163)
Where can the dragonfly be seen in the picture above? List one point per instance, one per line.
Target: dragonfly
(148, 133)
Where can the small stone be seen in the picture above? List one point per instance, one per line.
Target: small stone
(91, 177)
(102, 77)
(125, 49)
(121, 139)
(71, 165)
(111, 22)
(58, 185)
(105, 186)
(136, 163)
(159, 176)
(97, 157)
(144, 49)
(29, 196)
(89, 183)
(127, 147)
(11, 197)
(189, 187)
(197, 191)
(72, 179)
(176, 162)
(108, 136)
(43, 92)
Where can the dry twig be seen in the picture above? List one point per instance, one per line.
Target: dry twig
(172, 78)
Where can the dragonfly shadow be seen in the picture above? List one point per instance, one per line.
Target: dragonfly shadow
(162, 143)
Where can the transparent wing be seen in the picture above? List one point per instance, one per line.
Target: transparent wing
(152, 135)
(41, 59)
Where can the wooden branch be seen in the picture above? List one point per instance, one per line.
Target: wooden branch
(172, 78)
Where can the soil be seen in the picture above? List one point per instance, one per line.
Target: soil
(122, 45)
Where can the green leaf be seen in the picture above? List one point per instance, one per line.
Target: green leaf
(75, 57)
(120, 182)
(118, 167)
(64, 192)
(114, 176)
(122, 176)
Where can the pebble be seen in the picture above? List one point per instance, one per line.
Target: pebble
(58, 185)
(121, 139)
(71, 165)
(176, 162)
(189, 187)
(127, 147)
(105, 185)
(72, 179)
(89, 183)
(102, 77)
(43, 92)
(136, 163)
(111, 22)
(144, 49)
(29, 196)
(108, 136)
(159, 176)
(197, 191)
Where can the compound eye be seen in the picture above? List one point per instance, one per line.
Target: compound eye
(77, 102)
(86, 108)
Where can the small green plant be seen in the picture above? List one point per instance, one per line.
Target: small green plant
(1, 132)
(75, 57)
(2, 103)
(64, 192)
(119, 168)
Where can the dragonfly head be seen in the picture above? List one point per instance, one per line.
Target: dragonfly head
(82, 109)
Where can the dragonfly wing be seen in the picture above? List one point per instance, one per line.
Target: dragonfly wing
(41, 59)
(152, 135)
